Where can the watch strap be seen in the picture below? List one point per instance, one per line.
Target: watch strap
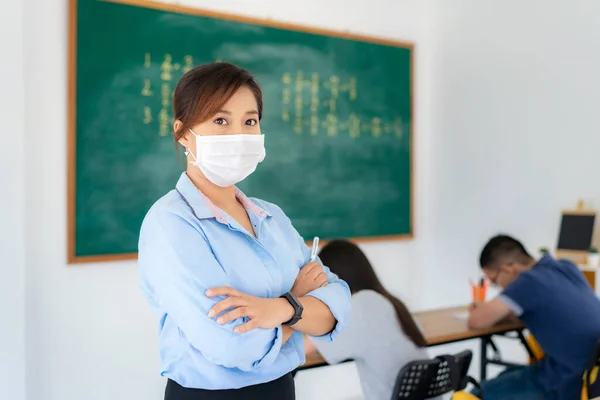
(298, 309)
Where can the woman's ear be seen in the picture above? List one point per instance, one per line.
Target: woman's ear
(183, 140)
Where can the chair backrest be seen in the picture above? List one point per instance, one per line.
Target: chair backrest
(463, 362)
(424, 379)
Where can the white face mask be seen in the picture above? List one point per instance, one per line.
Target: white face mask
(228, 159)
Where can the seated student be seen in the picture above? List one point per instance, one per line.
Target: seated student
(381, 336)
(555, 302)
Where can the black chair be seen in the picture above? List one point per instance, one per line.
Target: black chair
(425, 379)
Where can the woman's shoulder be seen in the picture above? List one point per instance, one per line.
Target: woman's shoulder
(169, 206)
(271, 208)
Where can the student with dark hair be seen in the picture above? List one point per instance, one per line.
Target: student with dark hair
(228, 277)
(556, 304)
(381, 336)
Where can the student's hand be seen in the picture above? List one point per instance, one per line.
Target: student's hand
(474, 305)
(263, 313)
(310, 277)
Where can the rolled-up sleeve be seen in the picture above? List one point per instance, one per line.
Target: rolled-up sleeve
(336, 295)
(176, 267)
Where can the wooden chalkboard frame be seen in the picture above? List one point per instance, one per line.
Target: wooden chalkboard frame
(72, 258)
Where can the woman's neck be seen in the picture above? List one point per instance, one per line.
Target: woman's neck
(222, 197)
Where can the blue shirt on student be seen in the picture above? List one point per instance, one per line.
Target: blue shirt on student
(188, 245)
(558, 306)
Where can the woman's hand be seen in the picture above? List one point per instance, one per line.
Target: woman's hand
(263, 313)
(310, 277)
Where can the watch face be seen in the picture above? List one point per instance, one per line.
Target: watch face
(294, 300)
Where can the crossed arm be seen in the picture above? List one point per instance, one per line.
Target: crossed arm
(317, 319)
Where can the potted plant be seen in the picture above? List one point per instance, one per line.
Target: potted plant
(593, 258)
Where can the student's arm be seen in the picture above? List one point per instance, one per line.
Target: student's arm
(176, 267)
(485, 315)
(518, 297)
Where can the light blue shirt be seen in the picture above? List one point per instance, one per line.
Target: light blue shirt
(188, 245)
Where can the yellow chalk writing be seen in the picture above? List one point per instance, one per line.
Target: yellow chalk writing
(331, 124)
(350, 87)
(376, 127)
(147, 89)
(163, 122)
(299, 102)
(147, 115)
(354, 126)
(166, 94)
(167, 68)
(314, 105)
(334, 87)
(188, 63)
(398, 128)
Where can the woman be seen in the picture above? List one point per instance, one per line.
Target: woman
(381, 336)
(228, 277)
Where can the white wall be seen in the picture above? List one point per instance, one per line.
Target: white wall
(515, 123)
(515, 90)
(512, 77)
(12, 261)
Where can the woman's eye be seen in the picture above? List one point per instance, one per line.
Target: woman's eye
(251, 122)
(220, 121)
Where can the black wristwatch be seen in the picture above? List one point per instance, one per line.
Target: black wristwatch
(293, 300)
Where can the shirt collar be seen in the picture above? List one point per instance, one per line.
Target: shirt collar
(203, 208)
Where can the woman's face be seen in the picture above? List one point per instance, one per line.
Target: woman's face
(238, 116)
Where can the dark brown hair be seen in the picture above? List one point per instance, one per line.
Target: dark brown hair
(347, 261)
(503, 249)
(202, 91)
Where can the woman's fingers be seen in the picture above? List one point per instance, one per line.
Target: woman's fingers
(248, 326)
(239, 312)
(309, 268)
(321, 279)
(230, 302)
(223, 291)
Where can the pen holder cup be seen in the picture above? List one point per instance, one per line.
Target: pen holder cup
(479, 294)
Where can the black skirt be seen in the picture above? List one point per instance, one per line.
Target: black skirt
(279, 389)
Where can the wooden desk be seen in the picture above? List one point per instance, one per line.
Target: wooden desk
(442, 327)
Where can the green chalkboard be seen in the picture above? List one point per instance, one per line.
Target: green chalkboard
(337, 121)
